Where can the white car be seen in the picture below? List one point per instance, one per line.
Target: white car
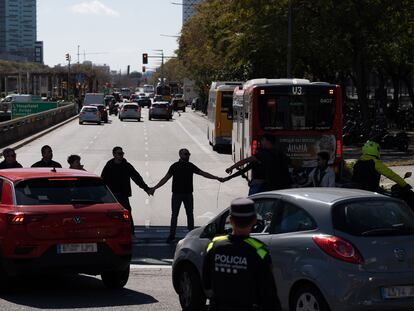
(130, 111)
(90, 114)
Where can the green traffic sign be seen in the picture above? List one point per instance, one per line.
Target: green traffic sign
(22, 109)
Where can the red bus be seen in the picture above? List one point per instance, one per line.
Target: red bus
(304, 117)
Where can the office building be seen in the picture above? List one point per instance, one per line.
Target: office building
(18, 31)
(189, 9)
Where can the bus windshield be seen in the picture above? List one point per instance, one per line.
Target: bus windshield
(296, 112)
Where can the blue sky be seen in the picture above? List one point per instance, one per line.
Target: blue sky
(123, 29)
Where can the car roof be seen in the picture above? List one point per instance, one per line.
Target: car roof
(324, 195)
(90, 106)
(16, 174)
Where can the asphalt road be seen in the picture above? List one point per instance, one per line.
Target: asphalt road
(147, 290)
(151, 147)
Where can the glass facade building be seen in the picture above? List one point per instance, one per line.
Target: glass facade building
(18, 29)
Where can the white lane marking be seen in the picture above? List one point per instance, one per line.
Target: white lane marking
(157, 267)
(91, 142)
(146, 163)
(147, 174)
(146, 143)
(147, 223)
(136, 267)
(202, 147)
(95, 137)
(147, 201)
(146, 148)
(146, 138)
(86, 147)
(146, 155)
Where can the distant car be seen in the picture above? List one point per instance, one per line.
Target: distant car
(62, 220)
(104, 112)
(109, 99)
(160, 110)
(130, 111)
(332, 249)
(89, 114)
(196, 103)
(158, 98)
(178, 104)
(144, 102)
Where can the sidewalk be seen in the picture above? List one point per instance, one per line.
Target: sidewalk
(392, 157)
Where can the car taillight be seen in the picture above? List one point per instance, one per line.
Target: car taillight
(119, 215)
(254, 147)
(338, 248)
(22, 218)
(338, 149)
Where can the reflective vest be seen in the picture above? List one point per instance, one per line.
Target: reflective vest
(258, 246)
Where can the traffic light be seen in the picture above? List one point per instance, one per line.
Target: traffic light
(67, 56)
(145, 58)
(143, 68)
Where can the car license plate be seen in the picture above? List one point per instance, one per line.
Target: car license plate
(397, 292)
(77, 248)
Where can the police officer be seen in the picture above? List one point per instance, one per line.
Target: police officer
(237, 271)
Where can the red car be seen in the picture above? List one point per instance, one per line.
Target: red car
(62, 220)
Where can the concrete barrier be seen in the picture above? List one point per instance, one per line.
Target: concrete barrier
(17, 129)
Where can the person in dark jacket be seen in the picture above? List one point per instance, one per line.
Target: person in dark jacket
(46, 161)
(117, 175)
(237, 270)
(270, 168)
(9, 159)
(182, 173)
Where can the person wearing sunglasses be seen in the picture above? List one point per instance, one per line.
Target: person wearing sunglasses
(9, 159)
(182, 173)
(117, 175)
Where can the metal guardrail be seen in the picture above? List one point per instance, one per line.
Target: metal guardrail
(17, 129)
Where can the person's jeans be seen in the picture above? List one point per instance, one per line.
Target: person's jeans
(176, 200)
(124, 201)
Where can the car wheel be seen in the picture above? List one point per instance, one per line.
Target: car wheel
(80, 122)
(190, 292)
(115, 279)
(99, 123)
(308, 298)
(139, 119)
(184, 109)
(122, 119)
(149, 118)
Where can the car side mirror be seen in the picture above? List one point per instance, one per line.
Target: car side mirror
(407, 175)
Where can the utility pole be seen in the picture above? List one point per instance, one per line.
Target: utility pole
(78, 54)
(289, 44)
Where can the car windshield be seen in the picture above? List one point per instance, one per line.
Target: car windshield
(94, 110)
(130, 107)
(70, 190)
(159, 105)
(374, 218)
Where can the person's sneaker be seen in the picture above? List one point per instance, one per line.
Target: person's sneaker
(170, 240)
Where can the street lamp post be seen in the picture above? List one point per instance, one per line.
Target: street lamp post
(289, 44)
